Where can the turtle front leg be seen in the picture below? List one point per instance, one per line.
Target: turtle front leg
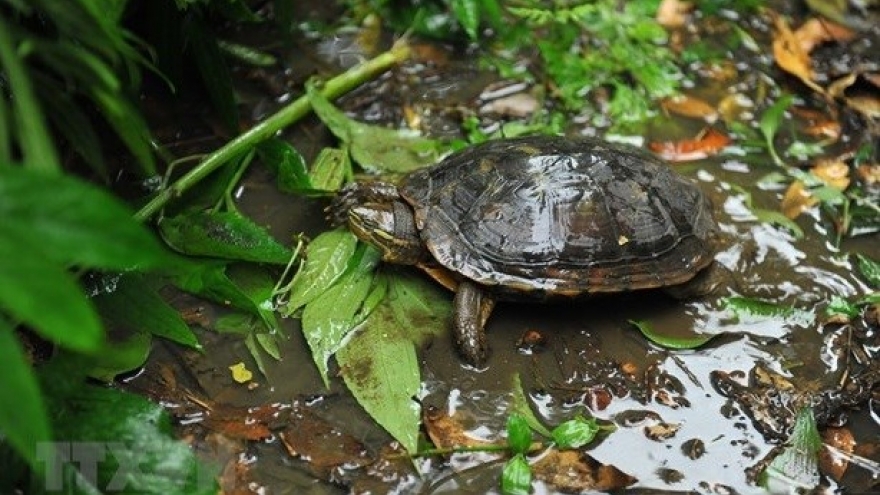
(471, 309)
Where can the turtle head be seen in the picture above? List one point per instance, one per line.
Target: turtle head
(389, 227)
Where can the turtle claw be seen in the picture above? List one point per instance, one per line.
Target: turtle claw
(471, 309)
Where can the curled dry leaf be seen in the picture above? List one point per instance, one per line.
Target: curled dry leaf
(869, 173)
(690, 106)
(790, 55)
(707, 143)
(796, 200)
(574, 471)
(817, 31)
(673, 13)
(830, 462)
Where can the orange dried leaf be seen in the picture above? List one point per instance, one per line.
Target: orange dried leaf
(707, 143)
(448, 432)
(870, 174)
(833, 172)
(690, 106)
(790, 56)
(831, 463)
(817, 31)
(574, 471)
(827, 128)
(796, 200)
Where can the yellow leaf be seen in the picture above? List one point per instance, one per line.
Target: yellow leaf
(240, 373)
(797, 200)
(833, 172)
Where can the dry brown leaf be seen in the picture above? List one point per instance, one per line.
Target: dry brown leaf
(662, 431)
(673, 13)
(837, 88)
(574, 471)
(447, 432)
(817, 31)
(869, 173)
(733, 107)
(323, 447)
(869, 106)
(790, 56)
(707, 143)
(690, 106)
(829, 463)
(796, 200)
(827, 128)
(833, 172)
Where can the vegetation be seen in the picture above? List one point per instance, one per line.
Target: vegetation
(81, 267)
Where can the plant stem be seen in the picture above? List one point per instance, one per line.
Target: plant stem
(333, 89)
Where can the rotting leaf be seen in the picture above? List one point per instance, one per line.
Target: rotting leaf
(708, 142)
(375, 148)
(448, 432)
(575, 471)
(840, 440)
(227, 235)
(671, 341)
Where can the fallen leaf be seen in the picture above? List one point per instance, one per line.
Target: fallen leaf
(690, 106)
(240, 373)
(869, 173)
(447, 432)
(817, 31)
(796, 200)
(673, 13)
(790, 56)
(575, 471)
(734, 108)
(869, 106)
(662, 431)
(832, 172)
(707, 143)
(831, 463)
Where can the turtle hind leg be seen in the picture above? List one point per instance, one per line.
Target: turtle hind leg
(471, 309)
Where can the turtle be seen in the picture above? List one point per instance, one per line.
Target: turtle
(537, 218)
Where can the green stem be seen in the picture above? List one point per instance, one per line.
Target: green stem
(333, 88)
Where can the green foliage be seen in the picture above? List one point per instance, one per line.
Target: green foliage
(61, 59)
(770, 121)
(227, 235)
(516, 476)
(870, 269)
(586, 46)
(796, 468)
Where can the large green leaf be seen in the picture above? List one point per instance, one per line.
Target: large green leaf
(41, 293)
(328, 319)
(327, 258)
(226, 235)
(133, 304)
(73, 222)
(381, 369)
(23, 418)
(372, 147)
(131, 442)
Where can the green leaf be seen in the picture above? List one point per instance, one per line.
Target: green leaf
(327, 258)
(328, 319)
(121, 354)
(226, 235)
(44, 295)
(34, 139)
(690, 341)
(840, 306)
(375, 148)
(516, 477)
(207, 278)
(257, 284)
(420, 307)
(520, 406)
(869, 269)
(467, 13)
(797, 467)
(213, 69)
(519, 435)
(132, 302)
(770, 121)
(777, 218)
(575, 433)
(287, 163)
(756, 307)
(330, 169)
(23, 417)
(73, 222)
(133, 439)
(381, 369)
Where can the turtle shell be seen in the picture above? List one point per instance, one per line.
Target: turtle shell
(551, 215)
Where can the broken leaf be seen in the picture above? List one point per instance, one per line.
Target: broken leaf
(575, 471)
(790, 55)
